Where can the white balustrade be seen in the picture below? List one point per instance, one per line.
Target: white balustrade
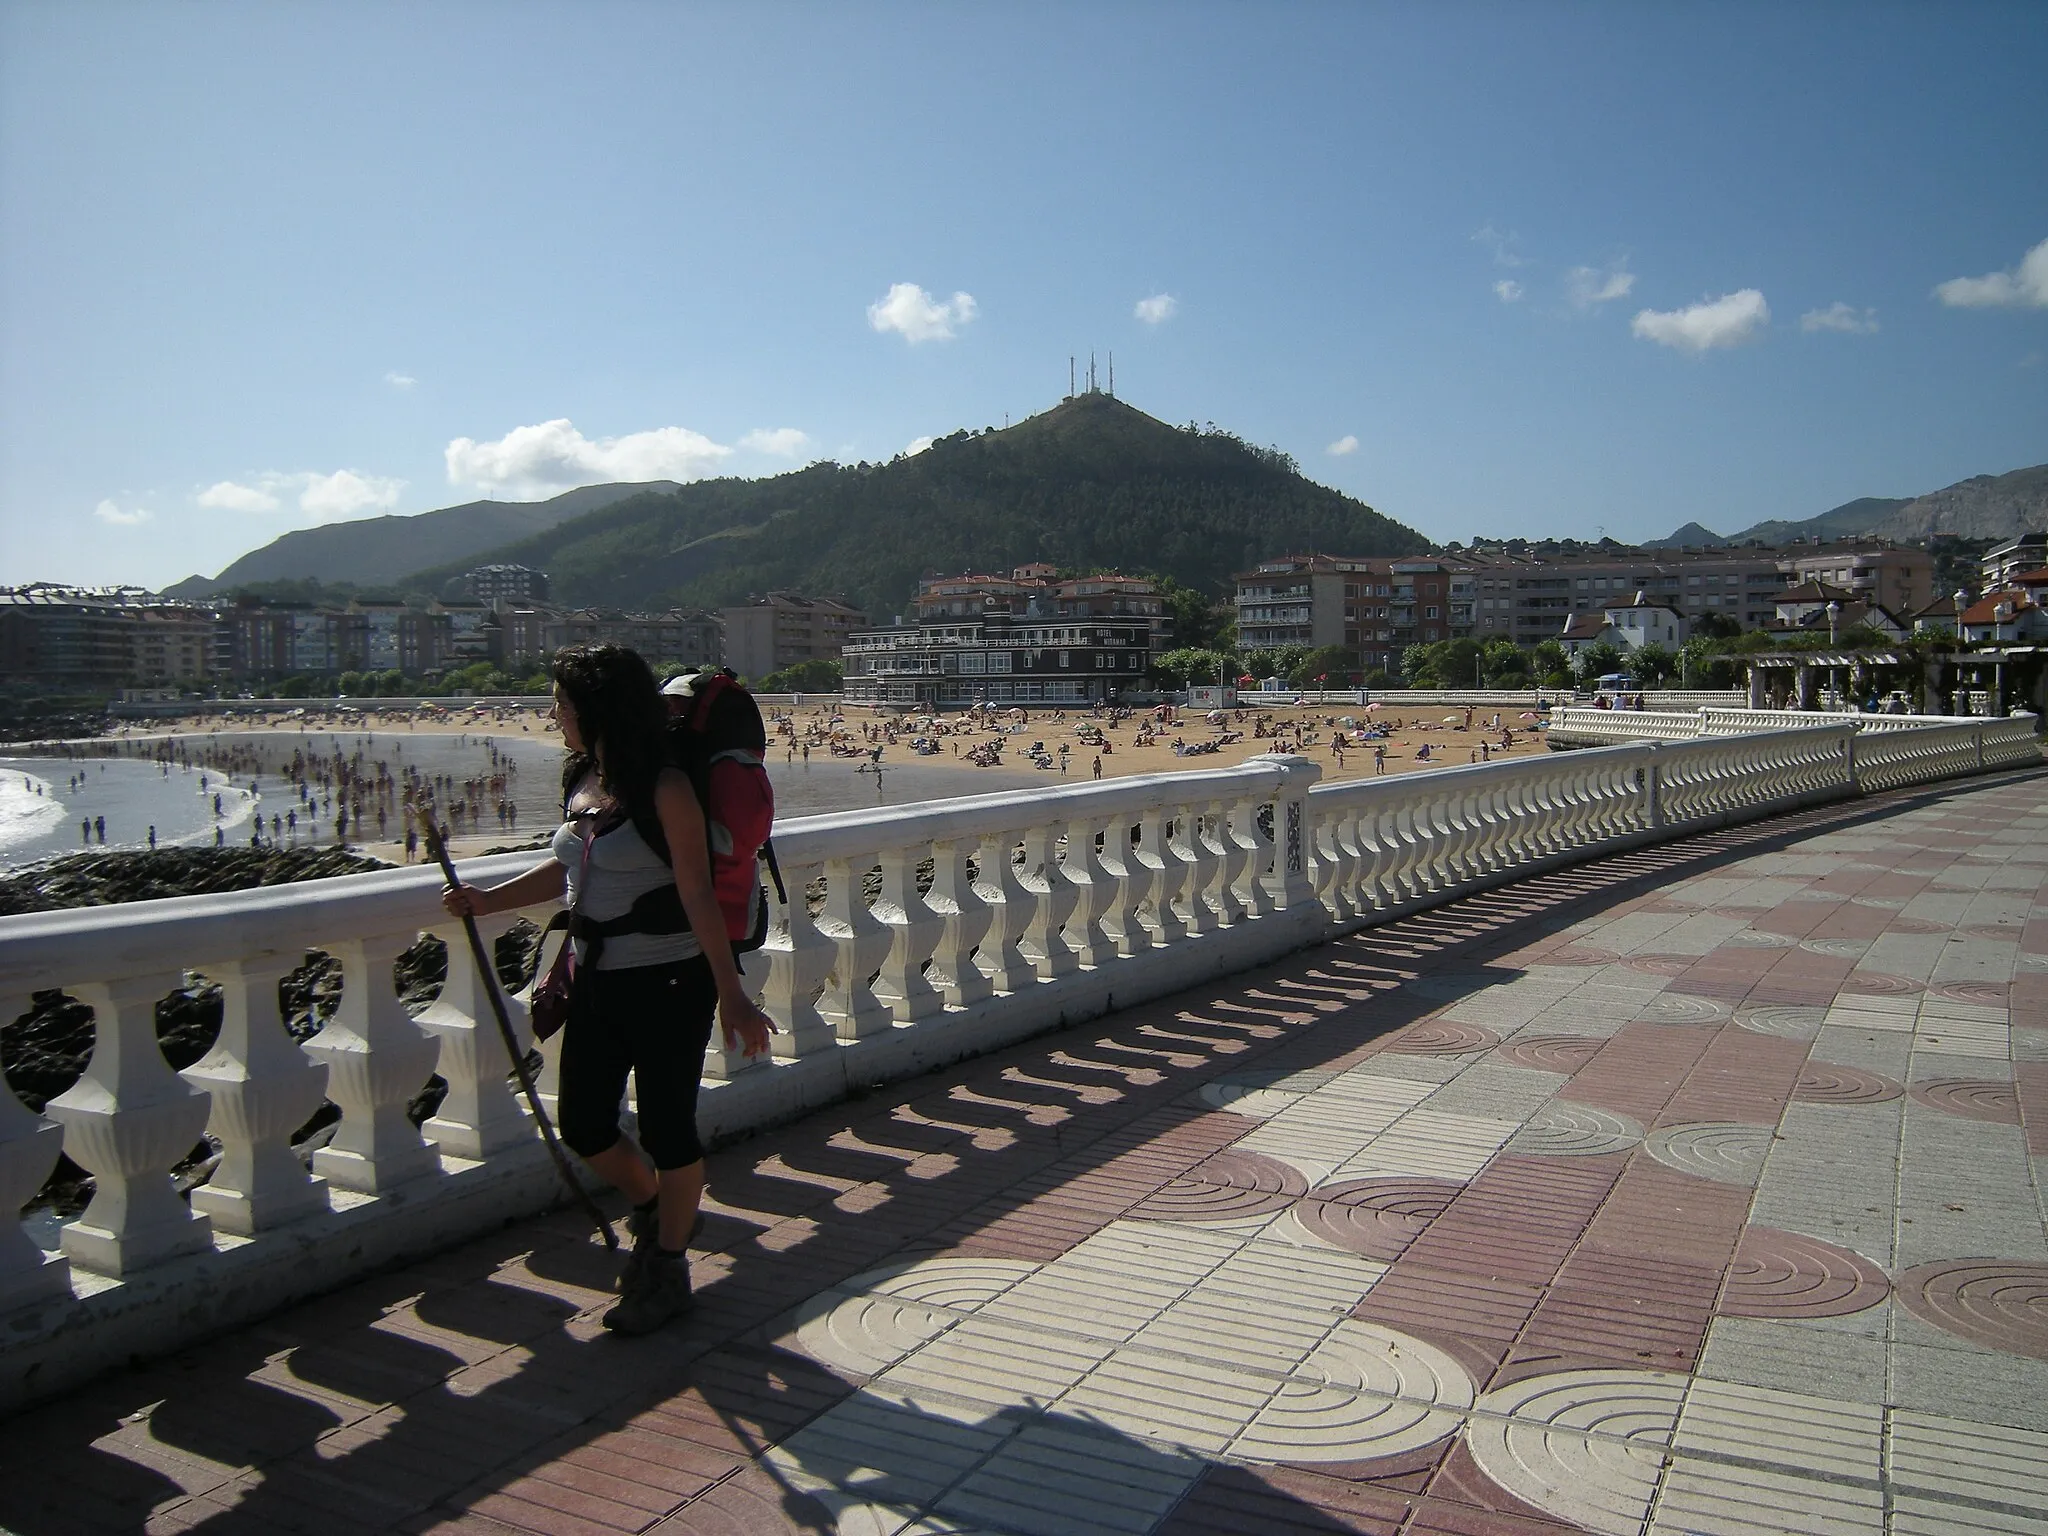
(30, 1145)
(984, 918)
(262, 1087)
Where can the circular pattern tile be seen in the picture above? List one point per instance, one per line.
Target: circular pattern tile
(1686, 1008)
(1999, 1303)
(1841, 949)
(2009, 933)
(1564, 1129)
(1551, 1053)
(1788, 1274)
(1880, 984)
(1971, 1099)
(1365, 1391)
(1988, 994)
(865, 1334)
(1660, 965)
(1577, 954)
(1882, 903)
(1788, 1021)
(2029, 1044)
(1824, 1082)
(964, 1284)
(1378, 1218)
(1915, 925)
(1585, 1446)
(1757, 938)
(1724, 1151)
(1228, 1186)
(1441, 1037)
(1252, 1094)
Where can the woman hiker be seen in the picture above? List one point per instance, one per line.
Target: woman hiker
(646, 1004)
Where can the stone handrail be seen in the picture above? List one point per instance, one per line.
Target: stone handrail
(1582, 724)
(915, 935)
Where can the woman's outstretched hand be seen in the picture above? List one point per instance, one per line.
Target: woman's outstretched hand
(464, 901)
(744, 1024)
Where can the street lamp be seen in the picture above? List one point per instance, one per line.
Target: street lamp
(1834, 686)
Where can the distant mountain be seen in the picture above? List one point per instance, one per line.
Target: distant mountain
(1981, 507)
(1092, 483)
(380, 551)
(1691, 536)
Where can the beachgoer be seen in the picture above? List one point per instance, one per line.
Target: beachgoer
(647, 1000)
(1098, 765)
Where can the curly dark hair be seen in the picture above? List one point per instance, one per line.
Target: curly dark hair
(619, 709)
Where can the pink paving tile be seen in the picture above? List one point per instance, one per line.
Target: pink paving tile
(1741, 1076)
(2030, 1085)
(1285, 1501)
(1638, 1070)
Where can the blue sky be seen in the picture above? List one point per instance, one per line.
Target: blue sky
(1493, 268)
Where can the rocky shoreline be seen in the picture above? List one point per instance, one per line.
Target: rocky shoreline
(44, 1051)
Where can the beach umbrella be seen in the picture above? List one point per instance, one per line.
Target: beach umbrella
(1375, 704)
(1528, 715)
(1452, 719)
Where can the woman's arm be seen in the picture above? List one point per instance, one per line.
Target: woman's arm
(689, 852)
(543, 882)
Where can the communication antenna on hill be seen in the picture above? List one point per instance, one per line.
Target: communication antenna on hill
(1112, 375)
(1092, 388)
(1070, 376)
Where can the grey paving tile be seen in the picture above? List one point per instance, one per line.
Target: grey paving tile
(1796, 1357)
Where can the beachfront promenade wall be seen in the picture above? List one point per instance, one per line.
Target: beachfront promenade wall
(2006, 739)
(925, 933)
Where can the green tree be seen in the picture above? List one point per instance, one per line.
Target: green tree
(1598, 660)
(1332, 662)
(1197, 618)
(1653, 664)
(1278, 662)
(1192, 664)
(820, 675)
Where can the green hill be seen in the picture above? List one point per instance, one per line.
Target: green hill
(379, 551)
(1091, 483)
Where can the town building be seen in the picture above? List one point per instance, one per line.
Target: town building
(1371, 605)
(2005, 617)
(1999, 565)
(1628, 627)
(782, 629)
(496, 586)
(520, 637)
(87, 640)
(1001, 658)
(1895, 577)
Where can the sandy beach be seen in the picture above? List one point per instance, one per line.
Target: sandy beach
(463, 746)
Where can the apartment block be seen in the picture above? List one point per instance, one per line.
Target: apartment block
(783, 628)
(501, 585)
(1373, 606)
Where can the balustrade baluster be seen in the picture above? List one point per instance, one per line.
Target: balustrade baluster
(377, 1060)
(1292, 873)
(126, 1121)
(1164, 874)
(1337, 862)
(861, 943)
(1254, 844)
(1203, 853)
(966, 918)
(29, 1148)
(914, 929)
(799, 956)
(1130, 884)
(1013, 907)
(262, 1087)
(481, 1112)
(1096, 876)
(1045, 941)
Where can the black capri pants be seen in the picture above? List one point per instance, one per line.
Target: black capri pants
(655, 1020)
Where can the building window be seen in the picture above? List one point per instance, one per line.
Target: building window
(1429, 613)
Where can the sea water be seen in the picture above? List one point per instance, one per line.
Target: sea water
(44, 800)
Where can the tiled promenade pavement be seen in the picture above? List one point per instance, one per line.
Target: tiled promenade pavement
(1697, 1190)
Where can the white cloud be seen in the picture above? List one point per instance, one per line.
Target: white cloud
(916, 446)
(110, 512)
(1348, 443)
(1846, 318)
(2025, 287)
(1724, 322)
(781, 442)
(1588, 286)
(908, 309)
(553, 455)
(399, 380)
(1502, 246)
(230, 497)
(1158, 309)
(1507, 290)
(325, 498)
(330, 498)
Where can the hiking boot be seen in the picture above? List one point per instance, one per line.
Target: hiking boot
(657, 1289)
(643, 1225)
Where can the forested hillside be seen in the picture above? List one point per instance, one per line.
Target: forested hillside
(1091, 483)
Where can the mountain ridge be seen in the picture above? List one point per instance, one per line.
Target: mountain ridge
(1979, 507)
(379, 551)
(1091, 483)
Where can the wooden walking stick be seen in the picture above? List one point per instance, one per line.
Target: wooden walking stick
(437, 845)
